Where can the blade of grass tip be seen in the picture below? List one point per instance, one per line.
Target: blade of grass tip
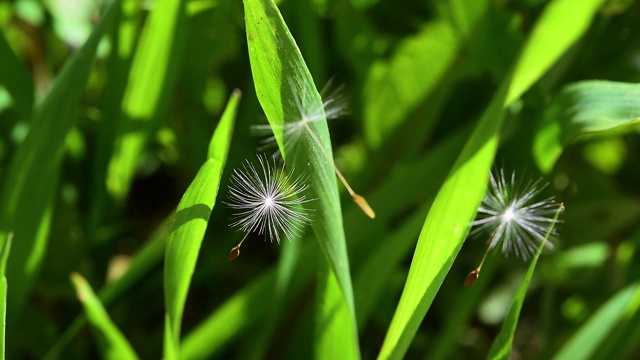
(280, 77)
(501, 348)
(112, 342)
(189, 226)
(25, 208)
(544, 46)
(586, 341)
(143, 261)
(4, 256)
(17, 81)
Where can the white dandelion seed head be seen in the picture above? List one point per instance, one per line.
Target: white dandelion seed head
(306, 111)
(511, 214)
(268, 200)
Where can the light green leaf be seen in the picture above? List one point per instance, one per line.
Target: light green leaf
(280, 75)
(501, 348)
(189, 226)
(112, 342)
(4, 256)
(583, 108)
(445, 229)
(596, 330)
(561, 24)
(25, 208)
(151, 79)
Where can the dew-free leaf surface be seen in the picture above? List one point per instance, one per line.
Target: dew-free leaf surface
(189, 226)
(280, 75)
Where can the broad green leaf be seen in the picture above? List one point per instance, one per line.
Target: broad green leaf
(17, 81)
(280, 76)
(148, 93)
(501, 348)
(189, 226)
(31, 180)
(4, 256)
(583, 108)
(561, 24)
(596, 330)
(111, 340)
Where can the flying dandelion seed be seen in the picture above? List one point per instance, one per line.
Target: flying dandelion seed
(510, 214)
(269, 201)
(333, 107)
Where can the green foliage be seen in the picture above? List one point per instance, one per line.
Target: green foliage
(120, 130)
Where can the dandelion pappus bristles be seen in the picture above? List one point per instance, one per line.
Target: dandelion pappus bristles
(269, 201)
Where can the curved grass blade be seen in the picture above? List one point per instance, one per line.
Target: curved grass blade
(447, 222)
(597, 329)
(501, 348)
(445, 229)
(583, 108)
(278, 71)
(561, 24)
(189, 226)
(25, 208)
(153, 74)
(112, 342)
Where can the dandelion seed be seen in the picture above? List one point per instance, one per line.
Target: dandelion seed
(511, 215)
(268, 201)
(292, 131)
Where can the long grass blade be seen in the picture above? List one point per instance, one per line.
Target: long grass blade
(189, 226)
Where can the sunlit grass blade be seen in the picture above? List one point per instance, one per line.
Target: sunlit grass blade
(29, 185)
(281, 76)
(189, 226)
(595, 332)
(501, 348)
(584, 108)
(4, 256)
(112, 342)
(17, 81)
(445, 229)
(152, 77)
(544, 47)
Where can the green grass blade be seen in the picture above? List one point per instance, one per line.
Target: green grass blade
(445, 229)
(17, 81)
(151, 79)
(4, 257)
(113, 343)
(501, 348)
(141, 264)
(26, 202)
(551, 37)
(275, 62)
(189, 226)
(597, 329)
(582, 108)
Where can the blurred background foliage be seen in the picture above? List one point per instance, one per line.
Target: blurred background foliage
(418, 74)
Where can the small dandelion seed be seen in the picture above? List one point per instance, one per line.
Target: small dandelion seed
(292, 131)
(510, 213)
(269, 201)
